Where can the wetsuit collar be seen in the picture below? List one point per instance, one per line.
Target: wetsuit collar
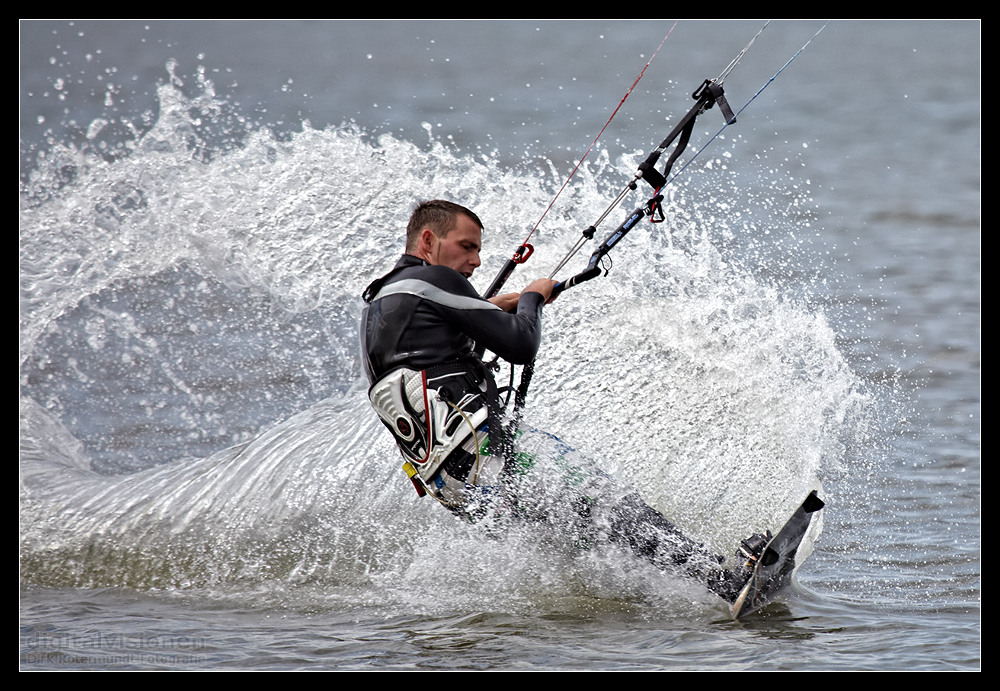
(410, 260)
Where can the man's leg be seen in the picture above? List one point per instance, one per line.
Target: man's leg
(648, 534)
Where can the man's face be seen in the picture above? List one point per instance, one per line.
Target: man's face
(459, 249)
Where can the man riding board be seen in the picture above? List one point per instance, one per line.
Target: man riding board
(423, 332)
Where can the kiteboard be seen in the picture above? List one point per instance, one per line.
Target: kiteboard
(773, 571)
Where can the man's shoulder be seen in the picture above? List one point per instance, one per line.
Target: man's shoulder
(442, 277)
(437, 285)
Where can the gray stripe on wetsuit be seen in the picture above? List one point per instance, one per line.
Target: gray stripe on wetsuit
(429, 291)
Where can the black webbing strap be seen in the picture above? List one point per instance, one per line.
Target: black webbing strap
(706, 96)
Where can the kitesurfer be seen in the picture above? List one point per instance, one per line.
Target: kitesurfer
(420, 334)
(423, 331)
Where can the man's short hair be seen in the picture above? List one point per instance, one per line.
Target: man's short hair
(438, 215)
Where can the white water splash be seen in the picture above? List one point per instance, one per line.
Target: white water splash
(718, 397)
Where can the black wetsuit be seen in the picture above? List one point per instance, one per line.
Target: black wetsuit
(424, 317)
(429, 320)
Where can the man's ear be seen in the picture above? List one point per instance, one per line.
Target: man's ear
(426, 242)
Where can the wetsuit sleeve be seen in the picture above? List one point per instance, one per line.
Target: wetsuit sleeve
(514, 337)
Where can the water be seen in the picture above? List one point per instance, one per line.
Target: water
(202, 485)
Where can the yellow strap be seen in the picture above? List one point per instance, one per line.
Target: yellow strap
(418, 484)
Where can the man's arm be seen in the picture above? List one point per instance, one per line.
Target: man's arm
(508, 301)
(514, 337)
(543, 286)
